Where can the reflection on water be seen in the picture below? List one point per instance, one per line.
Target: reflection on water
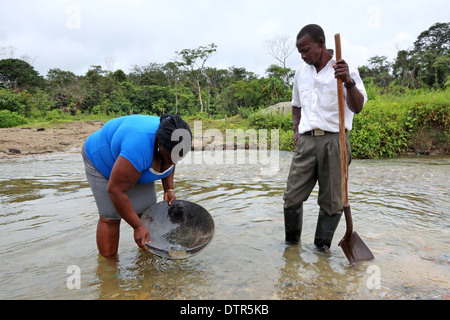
(400, 209)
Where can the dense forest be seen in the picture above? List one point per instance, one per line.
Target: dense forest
(409, 97)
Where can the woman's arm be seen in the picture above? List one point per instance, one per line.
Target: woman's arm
(123, 177)
(167, 182)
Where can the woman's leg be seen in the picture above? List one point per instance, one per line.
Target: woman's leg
(108, 232)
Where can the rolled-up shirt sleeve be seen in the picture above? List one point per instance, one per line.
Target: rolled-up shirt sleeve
(359, 83)
(295, 93)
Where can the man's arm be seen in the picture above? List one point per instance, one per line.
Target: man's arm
(355, 99)
(296, 116)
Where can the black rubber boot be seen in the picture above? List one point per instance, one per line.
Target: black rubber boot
(326, 226)
(293, 220)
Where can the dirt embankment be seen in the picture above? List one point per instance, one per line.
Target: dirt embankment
(63, 137)
(67, 137)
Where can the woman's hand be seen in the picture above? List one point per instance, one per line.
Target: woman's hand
(170, 196)
(141, 234)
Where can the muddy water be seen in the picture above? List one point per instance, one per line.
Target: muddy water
(401, 209)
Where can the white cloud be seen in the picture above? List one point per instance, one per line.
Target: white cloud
(74, 34)
(268, 28)
(403, 41)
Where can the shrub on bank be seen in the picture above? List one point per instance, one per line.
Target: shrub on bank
(392, 124)
(10, 119)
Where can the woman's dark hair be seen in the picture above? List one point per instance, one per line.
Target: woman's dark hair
(314, 30)
(168, 124)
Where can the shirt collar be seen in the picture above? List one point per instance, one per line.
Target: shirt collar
(330, 63)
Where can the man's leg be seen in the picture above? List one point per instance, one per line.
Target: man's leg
(293, 221)
(300, 183)
(330, 189)
(326, 226)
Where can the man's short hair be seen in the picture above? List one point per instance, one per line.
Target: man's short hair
(314, 30)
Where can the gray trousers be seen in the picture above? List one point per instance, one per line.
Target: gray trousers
(316, 158)
(142, 196)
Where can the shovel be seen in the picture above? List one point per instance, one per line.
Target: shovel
(352, 245)
(178, 231)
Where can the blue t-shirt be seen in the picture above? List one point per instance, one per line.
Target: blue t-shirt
(132, 137)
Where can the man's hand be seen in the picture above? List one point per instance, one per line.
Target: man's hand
(296, 136)
(342, 72)
(355, 99)
(296, 116)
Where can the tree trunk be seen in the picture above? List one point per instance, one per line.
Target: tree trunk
(200, 96)
(176, 97)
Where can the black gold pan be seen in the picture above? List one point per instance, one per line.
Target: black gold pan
(179, 230)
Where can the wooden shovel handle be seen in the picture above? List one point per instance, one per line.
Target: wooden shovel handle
(343, 148)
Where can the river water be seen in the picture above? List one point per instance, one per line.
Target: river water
(400, 207)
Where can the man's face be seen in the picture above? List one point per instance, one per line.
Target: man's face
(309, 49)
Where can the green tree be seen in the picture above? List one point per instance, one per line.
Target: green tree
(379, 69)
(119, 76)
(429, 46)
(19, 75)
(153, 99)
(96, 87)
(243, 95)
(403, 69)
(59, 78)
(194, 62)
(150, 75)
(173, 75)
(114, 104)
(276, 90)
(236, 74)
(65, 89)
(284, 74)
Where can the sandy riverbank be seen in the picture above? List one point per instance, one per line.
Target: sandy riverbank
(63, 137)
(60, 137)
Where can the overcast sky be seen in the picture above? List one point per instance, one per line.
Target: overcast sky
(75, 34)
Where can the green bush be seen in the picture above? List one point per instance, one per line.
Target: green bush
(431, 109)
(388, 124)
(286, 140)
(263, 120)
(10, 119)
(11, 101)
(56, 114)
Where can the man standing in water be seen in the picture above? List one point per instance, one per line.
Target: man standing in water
(315, 114)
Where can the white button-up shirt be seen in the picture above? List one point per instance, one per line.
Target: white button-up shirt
(316, 95)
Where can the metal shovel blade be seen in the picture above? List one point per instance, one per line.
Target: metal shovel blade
(355, 249)
(352, 245)
(178, 231)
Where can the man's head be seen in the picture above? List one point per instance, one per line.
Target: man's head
(314, 30)
(311, 43)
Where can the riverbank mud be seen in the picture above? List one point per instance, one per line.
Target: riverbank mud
(67, 137)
